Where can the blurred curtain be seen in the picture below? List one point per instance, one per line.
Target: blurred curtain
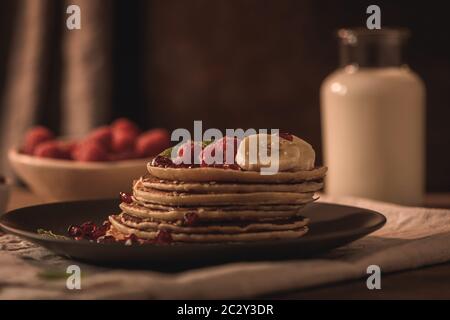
(52, 75)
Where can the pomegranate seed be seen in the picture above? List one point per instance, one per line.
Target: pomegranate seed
(126, 197)
(88, 227)
(106, 239)
(131, 239)
(160, 161)
(100, 232)
(90, 231)
(163, 237)
(190, 218)
(74, 231)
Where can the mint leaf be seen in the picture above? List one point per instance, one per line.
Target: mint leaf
(50, 234)
(166, 153)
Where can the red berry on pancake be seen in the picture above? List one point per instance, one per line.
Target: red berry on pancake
(286, 135)
(152, 142)
(36, 136)
(222, 151)
(188, 153)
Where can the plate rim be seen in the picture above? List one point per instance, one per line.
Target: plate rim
(34, 236)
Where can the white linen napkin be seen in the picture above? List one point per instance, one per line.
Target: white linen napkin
(411, 238)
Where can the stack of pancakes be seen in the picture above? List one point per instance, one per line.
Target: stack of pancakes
(217, 205)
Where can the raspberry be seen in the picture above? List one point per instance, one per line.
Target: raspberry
(49, 149)
(34, 137)
(123, 140)
(152, 142)
(223, 150)
(90, 151)
(286, 135)
(188, 152)
(123, 124)
(67, 149)
(102, 135)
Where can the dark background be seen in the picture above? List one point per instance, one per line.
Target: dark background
(256, 63)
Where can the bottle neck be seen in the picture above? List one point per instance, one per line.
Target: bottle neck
(371, 49)
(371, 56)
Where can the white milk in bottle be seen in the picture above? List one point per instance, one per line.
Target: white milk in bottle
(373, 120)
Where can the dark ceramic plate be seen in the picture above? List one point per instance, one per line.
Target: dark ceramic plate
(331, 226)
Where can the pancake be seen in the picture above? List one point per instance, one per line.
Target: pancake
(155, 206)
(215, 187)
(206, 174)
(198, 204)
(169, 198)
(188, 199)
(212, 213)
(223, 227)
(120, 231)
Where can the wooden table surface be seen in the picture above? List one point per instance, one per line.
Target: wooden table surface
(425, 283)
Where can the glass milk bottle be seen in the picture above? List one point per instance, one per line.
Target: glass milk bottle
(373, 120)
